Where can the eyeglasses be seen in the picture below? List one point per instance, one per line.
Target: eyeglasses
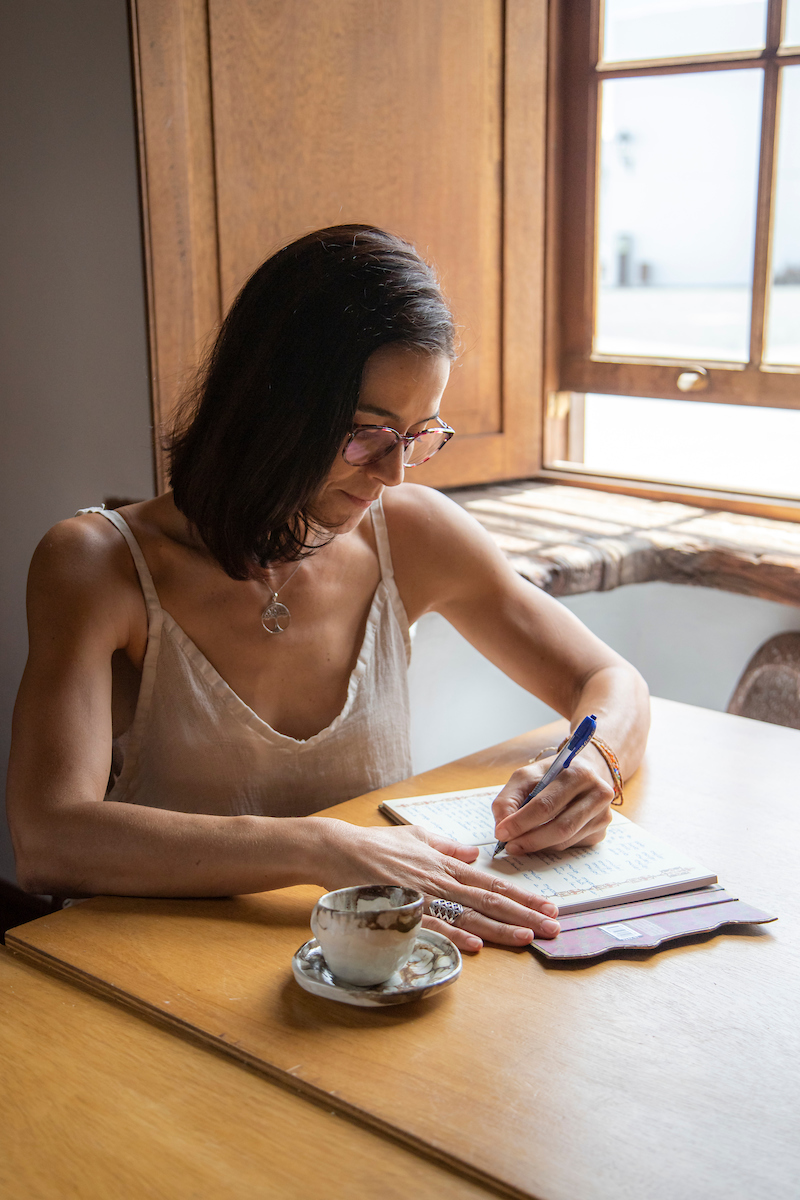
(369, 443)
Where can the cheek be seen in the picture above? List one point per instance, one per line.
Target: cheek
(338, 472)
(340, 475)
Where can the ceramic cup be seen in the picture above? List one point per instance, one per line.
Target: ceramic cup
(367, 933)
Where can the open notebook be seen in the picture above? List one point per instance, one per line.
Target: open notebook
(630, 870)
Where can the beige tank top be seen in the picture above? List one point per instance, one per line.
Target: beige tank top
(195, 746)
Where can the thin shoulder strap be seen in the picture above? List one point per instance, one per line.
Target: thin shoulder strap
(142, 569)
(387, 572)
(382, 539)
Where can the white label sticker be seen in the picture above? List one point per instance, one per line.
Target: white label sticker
(623, 933)
(652, 928)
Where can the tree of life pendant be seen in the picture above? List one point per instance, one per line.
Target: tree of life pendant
(276, 617)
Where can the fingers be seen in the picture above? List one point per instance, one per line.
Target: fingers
(578, 825)
(497, 890)
(499, 911)
(502, 933)
(558, 815)
(463, 938)
(508, 801)
(458, 850)
(504, 920)
(512, 802)
(588, 835)
(472, 928)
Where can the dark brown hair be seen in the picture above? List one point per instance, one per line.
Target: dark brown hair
(279, 391)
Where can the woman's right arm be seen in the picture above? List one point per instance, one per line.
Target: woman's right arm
(84, 604)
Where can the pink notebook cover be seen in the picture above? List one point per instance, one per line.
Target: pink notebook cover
(645, 924)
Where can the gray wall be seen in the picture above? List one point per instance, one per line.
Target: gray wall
(74, 398)
(691, 644)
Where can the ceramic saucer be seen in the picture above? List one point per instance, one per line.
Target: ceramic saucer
(434, 964)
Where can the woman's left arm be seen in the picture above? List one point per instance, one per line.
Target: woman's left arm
(445, 562)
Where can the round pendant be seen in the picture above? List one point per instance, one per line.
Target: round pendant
(276, 617)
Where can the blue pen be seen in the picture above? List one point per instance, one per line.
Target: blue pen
(580, 737)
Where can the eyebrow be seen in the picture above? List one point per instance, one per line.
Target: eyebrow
(377, 411)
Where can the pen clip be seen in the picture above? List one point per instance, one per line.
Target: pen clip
(580, 737)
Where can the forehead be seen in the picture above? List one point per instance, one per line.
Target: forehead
(403, 384)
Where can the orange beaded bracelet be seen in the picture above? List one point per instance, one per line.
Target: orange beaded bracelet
(612, 762)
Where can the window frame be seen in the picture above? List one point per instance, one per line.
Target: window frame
(573, 369)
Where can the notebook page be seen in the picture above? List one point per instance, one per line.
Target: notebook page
(465, 816)
(629, 862)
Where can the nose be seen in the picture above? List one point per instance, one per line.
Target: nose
(390, 469)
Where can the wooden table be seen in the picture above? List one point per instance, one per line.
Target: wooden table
(668, 1074)
(96, 1104)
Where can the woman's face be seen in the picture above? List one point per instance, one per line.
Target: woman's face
(400, 388)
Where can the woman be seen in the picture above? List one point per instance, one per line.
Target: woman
(235, 650)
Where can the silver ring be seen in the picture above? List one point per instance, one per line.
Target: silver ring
(446, 910)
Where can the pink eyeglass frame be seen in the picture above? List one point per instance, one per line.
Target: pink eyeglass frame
(407, 439)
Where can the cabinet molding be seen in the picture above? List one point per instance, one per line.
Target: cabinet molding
(262, 119)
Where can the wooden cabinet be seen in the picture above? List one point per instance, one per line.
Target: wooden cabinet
(260, 120)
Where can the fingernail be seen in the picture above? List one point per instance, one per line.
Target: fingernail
(550, 908)
(523, 935)
(551, 928)
(473, 943)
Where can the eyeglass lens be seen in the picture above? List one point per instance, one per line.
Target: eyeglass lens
(370, 445)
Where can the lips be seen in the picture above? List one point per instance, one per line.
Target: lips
(359, 500)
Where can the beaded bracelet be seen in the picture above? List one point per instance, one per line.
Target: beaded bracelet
(611, 760)
(548, 750)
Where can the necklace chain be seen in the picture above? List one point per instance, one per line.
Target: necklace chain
(285, 582)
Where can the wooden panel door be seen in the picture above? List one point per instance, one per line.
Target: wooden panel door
(263, 119)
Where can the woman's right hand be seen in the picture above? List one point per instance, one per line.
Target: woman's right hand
(494, 910)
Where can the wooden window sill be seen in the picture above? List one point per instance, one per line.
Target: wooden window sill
(568, 540)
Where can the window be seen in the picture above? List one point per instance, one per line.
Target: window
(675, 284)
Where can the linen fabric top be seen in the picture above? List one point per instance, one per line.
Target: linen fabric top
(195, 746)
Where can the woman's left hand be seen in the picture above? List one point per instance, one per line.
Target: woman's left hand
(492, 908)
(573, 810)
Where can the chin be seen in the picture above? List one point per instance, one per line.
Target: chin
(338, 518)
(348, 524)
(340, 510)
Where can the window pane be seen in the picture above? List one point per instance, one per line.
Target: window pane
(637, 29)
(783, 326)
(791, 31)
(678, 181)
(717, 445)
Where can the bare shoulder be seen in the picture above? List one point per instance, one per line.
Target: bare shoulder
(438, 548)
(414, 505)
(79, 552)
(83, 567)
(425, 520)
